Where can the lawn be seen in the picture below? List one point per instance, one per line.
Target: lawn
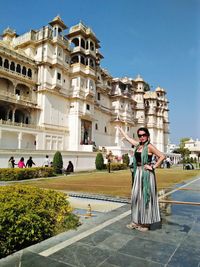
(114, 184)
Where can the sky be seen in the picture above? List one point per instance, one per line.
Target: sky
(158, 39)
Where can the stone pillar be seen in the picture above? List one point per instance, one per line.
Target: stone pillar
(20, 140)
(13, 115)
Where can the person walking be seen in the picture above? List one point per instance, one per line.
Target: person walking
(144, 201)
(11, 162)
(109, 157)
(21, 163)
(30, 162)
(46, 162)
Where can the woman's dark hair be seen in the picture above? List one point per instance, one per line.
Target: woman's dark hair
(144, 130)
(22, 159)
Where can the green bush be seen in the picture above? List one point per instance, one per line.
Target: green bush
(29, 215)
(99, 161)
(115, 166)
(58, 162)
(14, 174)
(126, 159)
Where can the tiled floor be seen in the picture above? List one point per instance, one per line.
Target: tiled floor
(174, 243)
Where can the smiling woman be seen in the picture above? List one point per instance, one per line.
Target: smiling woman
(144, 200)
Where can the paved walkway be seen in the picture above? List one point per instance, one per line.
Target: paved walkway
(104, 241)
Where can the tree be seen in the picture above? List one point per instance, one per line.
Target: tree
(126, 159)
(99, 162)
(58, 162)
(185, 152)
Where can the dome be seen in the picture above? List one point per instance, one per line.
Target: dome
(139, 79)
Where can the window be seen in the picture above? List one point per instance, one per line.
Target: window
(17, 92)
(88, 107)
(96, 126)
(29, 73)
(105, 129)
(18, 69)
(6, 64)
(12, 66)
(98, 96)
(24, 70)
(58, 76)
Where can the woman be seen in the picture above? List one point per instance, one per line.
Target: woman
(21, 163)
(144, 201)
(11, 162)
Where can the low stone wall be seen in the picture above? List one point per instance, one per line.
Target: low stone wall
(82, 161)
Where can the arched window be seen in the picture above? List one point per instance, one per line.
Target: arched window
(87, 45)
(6, 64)
(18, 69)
(29, 73)
(82, 43)
(74, 60)
(75, 41)
(92, 63)
(82, 60)
(24, 70)
(91, 46)
(12, 66)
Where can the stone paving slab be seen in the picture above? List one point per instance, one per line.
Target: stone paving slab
(104, 241)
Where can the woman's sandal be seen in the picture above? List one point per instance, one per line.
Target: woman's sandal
(132, 226)
(142, 228)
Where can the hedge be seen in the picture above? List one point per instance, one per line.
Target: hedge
(14, 174)
(115, 166)
(29, 215)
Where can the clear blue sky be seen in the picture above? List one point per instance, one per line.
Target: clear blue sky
(158, 39)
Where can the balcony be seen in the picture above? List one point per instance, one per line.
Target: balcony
(18, 99)
(15, 74)
(19, 124)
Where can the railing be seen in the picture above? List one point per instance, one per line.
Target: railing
(19, 124)
(30, 100)
(16, 73)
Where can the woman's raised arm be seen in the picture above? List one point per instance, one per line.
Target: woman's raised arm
(128, 138)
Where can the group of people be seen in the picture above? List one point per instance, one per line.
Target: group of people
(30, 163)
(21, 163)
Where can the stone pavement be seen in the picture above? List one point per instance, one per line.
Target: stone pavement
(104, 240)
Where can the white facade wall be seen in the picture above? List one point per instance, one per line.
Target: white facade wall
(62, 105)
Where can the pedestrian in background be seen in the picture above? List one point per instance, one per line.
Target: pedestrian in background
(46, 162)
(21, 163)
(11, 162)
(30, 163)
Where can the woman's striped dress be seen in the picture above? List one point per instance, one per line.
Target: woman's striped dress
(142, 214)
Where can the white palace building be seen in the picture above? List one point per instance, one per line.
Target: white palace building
(54, 95)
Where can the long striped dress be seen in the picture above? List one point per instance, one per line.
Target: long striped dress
(142, 214)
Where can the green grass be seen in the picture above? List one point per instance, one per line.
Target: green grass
(114, 184)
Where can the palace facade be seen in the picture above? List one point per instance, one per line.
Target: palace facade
(54, 94)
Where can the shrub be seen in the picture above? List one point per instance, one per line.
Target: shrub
(58, 162)
(29, 215)
(115, 166)
(99, 162)
(126, 159)
(12, 174)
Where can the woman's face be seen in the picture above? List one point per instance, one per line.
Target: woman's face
(143, 137)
